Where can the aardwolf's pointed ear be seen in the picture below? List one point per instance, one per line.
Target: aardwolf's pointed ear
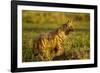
(69, 21)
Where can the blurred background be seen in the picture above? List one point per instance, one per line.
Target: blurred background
(77, 43)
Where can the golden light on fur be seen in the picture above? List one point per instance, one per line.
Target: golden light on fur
(49, 45)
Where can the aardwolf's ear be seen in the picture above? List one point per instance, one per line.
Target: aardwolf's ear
(69, 21)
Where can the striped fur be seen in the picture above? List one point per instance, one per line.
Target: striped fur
(49, 45)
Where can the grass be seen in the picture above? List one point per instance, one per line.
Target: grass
(76, 44)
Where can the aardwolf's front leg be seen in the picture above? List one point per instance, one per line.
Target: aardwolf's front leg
(59, 50)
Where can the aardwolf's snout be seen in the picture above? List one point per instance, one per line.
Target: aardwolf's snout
(71, 28)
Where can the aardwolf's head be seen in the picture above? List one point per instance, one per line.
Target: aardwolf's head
(67, 27)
